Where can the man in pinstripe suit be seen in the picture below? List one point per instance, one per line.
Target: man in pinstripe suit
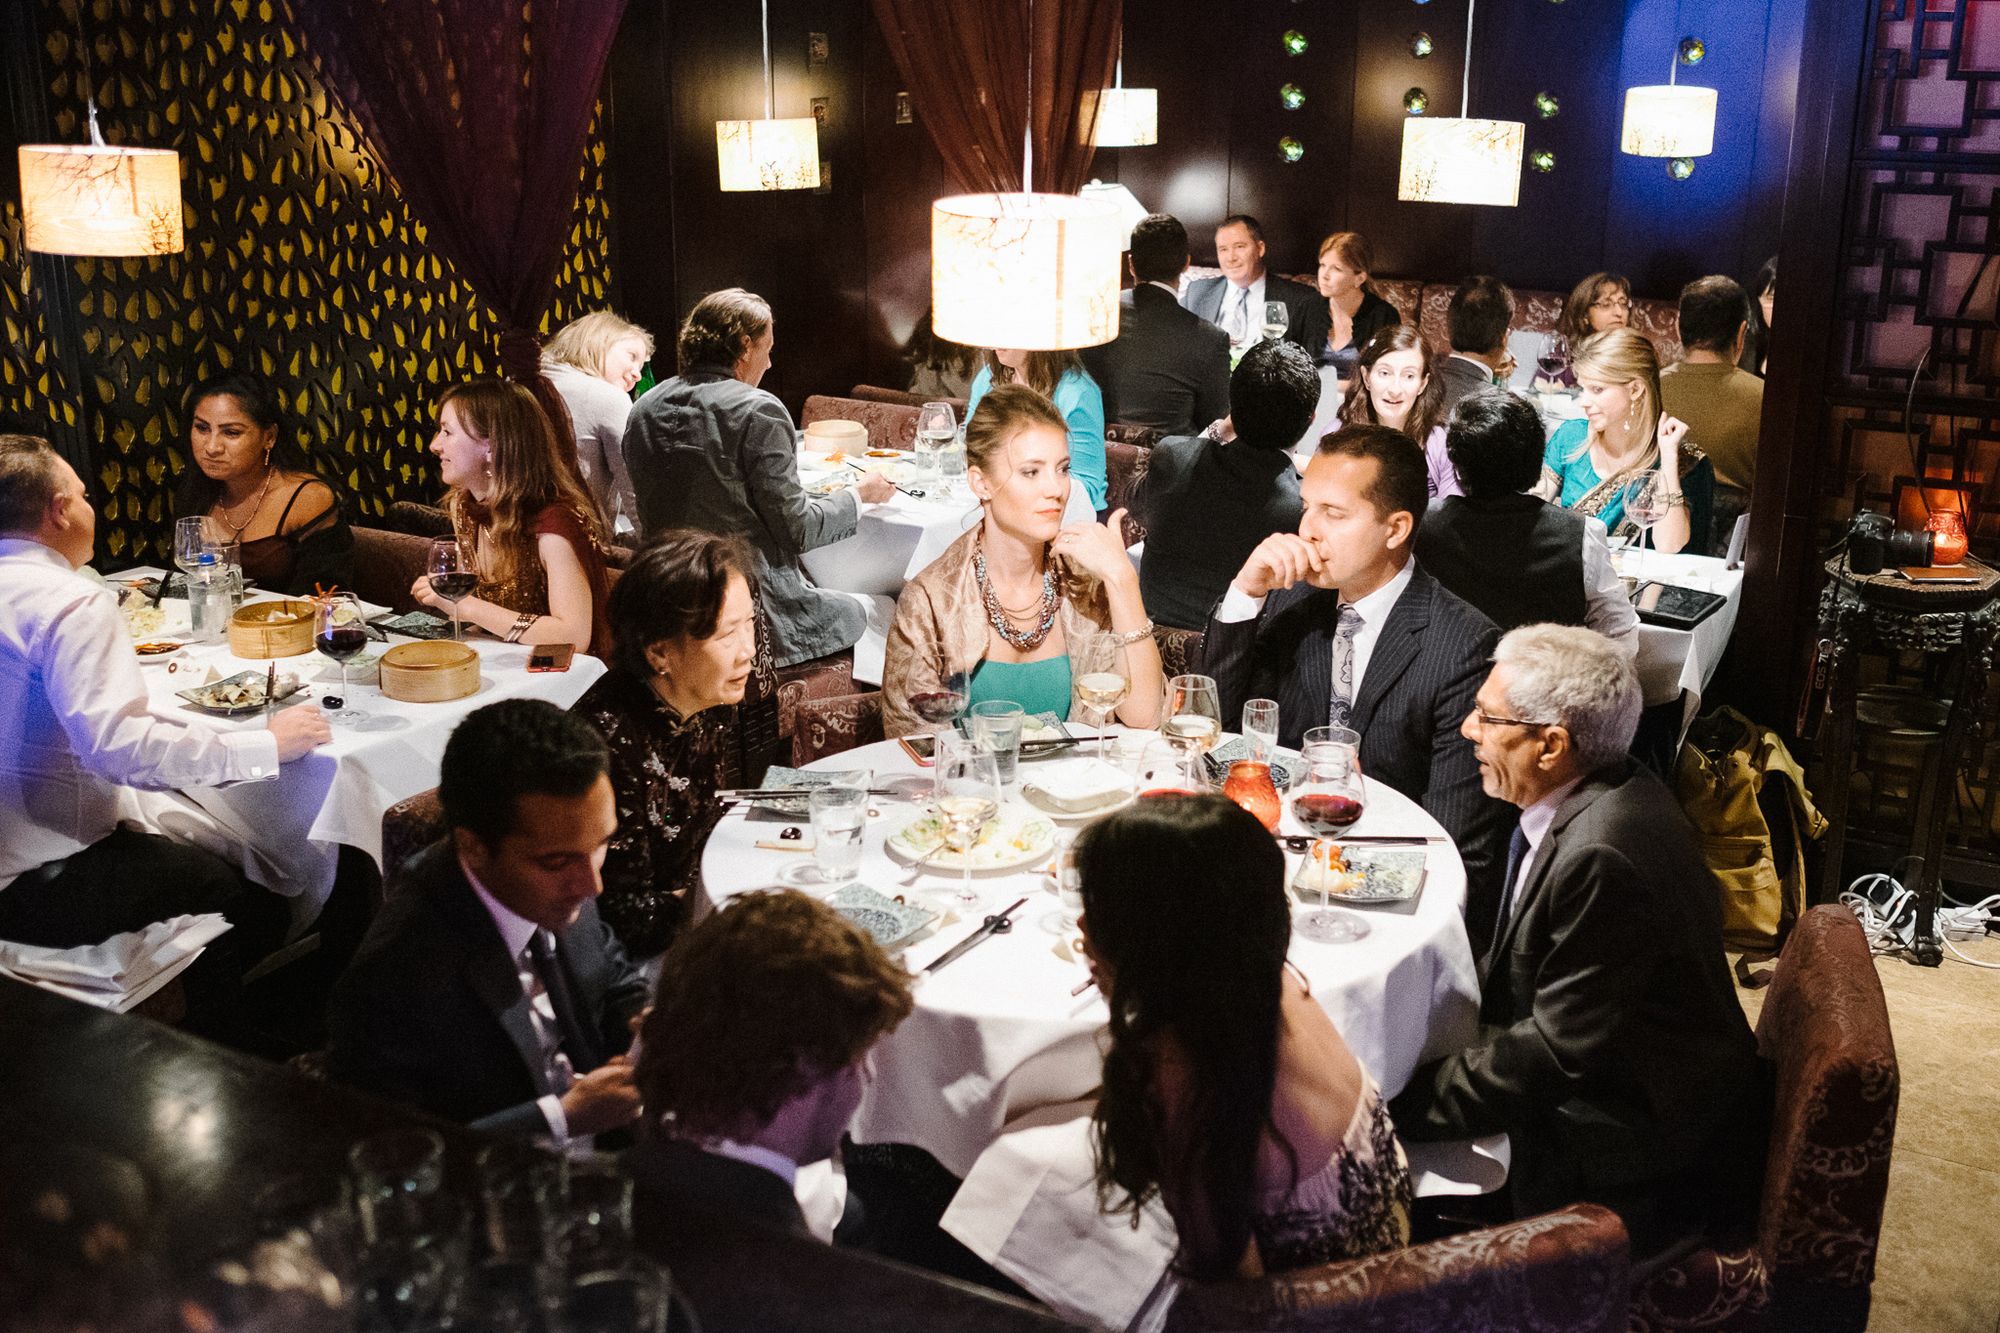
(1341, 626)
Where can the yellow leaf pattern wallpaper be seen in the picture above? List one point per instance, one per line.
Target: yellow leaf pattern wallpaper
(303, 263)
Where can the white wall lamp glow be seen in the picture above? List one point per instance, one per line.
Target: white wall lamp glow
(1130, 211)
(1025, 270)
(1462, 160)
(1670, 119)
(97, 198)
(1126, 117)
(768, 154)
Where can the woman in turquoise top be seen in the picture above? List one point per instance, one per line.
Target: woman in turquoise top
(1061, 378)
(1589, 462)
(1024, 608)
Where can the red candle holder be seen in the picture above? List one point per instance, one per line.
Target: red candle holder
(1249, 785)
(1948, 539)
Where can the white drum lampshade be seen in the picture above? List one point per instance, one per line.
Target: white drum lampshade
(97, 199)
(1130, 211)
(768, 154)
(1462, 161)
(1669, 120)
(1030, 271)
(1127, 118)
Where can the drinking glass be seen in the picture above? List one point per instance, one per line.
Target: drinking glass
(996, 727)
(195, 535)
(1553, 358)
(839, 813)
(599, 1233)
(951, 462)
(1193, 721)
(1163, 771)
(1260, 727)
(630, 1296)
(1329, 800)
(968, 795)
(937, 430)
(452, 575)
(1276, 320)
(1103, 680)
(523, 1191)
(942, 706)
(340, 632)
(395, 1173)
(1645, 505)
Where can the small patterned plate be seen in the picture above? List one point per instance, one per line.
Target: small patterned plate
(800, 806)
(892, 922)
(1284, 764)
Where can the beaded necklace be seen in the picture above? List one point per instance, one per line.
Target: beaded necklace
(996, 615)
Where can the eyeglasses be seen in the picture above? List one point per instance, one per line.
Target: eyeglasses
(1487, 719)
(1612, 303)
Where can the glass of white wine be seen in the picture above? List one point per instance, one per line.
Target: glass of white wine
(1103, 680)
(1192, 721)
(968, 795)
(1276, 320)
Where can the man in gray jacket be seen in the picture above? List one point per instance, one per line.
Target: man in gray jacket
(710, 450)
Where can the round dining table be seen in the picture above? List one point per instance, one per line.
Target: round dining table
(1000, 1031)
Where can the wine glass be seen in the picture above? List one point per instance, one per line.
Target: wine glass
(452, 576)
(1328, 801)
(1103, 680)
(1645, 505)
(937, 428)
(340, 632)
(1193, 721)
(968, 795)
(1553, 358)
(942, 706)
(1260, 728)
(1276, 320)
(193, 536)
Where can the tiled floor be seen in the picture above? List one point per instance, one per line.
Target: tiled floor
(1939, 1266)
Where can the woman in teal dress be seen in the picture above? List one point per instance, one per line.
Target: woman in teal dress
(1590, 462)
(1060, 378)
(1021, 606)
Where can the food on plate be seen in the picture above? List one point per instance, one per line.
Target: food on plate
(240, 691)
(142, 619)
(1004, 841)
(836, 458)
(155, 649)
(1325, 869)
(885, 453)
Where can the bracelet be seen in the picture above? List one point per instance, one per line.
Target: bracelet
(521, 623)
(1143, 632)
(1678, 500)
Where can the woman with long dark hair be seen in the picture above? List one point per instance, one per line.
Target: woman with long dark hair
(1060, 378)
(1227, 1090)
(1396, 386)
(252, 478)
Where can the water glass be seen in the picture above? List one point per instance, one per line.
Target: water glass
(937, 430)
(951, 461)
(630, 1296)
(522, 1194)
(996, 727)
(213, 592)
(839, 813)
(1260, 727)
(599, 1233)
(395, 1173)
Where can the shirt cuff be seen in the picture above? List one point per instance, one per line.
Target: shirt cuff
(253, 754)
(1238, 606)
(553, 1113)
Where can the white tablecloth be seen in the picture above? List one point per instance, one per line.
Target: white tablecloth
(286, 833)
(1678, 663)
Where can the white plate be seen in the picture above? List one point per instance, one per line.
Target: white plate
(1016, 837)
(1077, 816)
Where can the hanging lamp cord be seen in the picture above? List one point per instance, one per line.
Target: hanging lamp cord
(89, 80)
(1465, 84)
(769, 84)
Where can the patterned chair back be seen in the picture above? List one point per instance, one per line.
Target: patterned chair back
(890, 425)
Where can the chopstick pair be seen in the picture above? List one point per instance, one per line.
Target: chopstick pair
(914, 495)
(784, 793)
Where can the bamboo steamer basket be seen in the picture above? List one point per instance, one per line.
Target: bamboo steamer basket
(429, 672)
(271, 629)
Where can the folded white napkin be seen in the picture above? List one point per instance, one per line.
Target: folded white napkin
(1078, 784)
(123, 968)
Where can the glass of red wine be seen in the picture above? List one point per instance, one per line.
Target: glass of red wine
(340, 632)
(944, 705)
(1328, 801)
(1553, 359)
(452, 576)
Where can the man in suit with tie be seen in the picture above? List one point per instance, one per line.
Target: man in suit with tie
(1611, 1050)
(1168, 368)
(755, 1055)
(1342, 627)
(488, 990)
(1235, 301)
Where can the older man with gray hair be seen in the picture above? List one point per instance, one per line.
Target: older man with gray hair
(1612, 1051)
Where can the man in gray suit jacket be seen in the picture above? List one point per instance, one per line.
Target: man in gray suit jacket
(1168, 368)
(487, 989)
(1235, 301)
(1611, 1050)
(1480, 313)
(1341, 626)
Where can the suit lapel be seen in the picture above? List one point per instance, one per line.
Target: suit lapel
(1395, 647)
(491, 976)
(576, 1036)
(1545, 857)
(1209, 304)
(1304, 701)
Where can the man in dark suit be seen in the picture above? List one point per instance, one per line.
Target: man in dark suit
(1206, 503)
(1168, 368)
(1235, 301)
(1340, 626)
(487, 990)
(755, 1055)
(1477, 320)
(1612, 1050)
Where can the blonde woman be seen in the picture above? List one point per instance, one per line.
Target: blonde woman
(1590, 461)
(531, 531)
(593, 362)
(1010, 601)
(1355, 313)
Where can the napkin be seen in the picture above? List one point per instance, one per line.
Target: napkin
(121, 971)
(1076, 785)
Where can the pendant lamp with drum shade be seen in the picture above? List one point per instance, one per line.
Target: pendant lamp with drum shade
(97, 198)
(1670, 119)
(1126, 117)
(768, 154)
(1038, 272)
(1462, 160)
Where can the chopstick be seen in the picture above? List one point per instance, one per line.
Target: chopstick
(270, 688)
(160, 592)
(781, 793)
(914, 495)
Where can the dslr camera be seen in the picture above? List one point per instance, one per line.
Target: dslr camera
(1873, 544)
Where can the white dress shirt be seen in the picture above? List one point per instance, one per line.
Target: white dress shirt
(77, 728)
(1606, 607)
(1535, 822)
(755, 1154)
(515, 932)
(1253, 313)
(1373, 609)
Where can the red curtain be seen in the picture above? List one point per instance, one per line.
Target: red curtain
(479, 109)
(966, 66)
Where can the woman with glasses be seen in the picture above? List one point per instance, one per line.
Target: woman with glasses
(1601, 301)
